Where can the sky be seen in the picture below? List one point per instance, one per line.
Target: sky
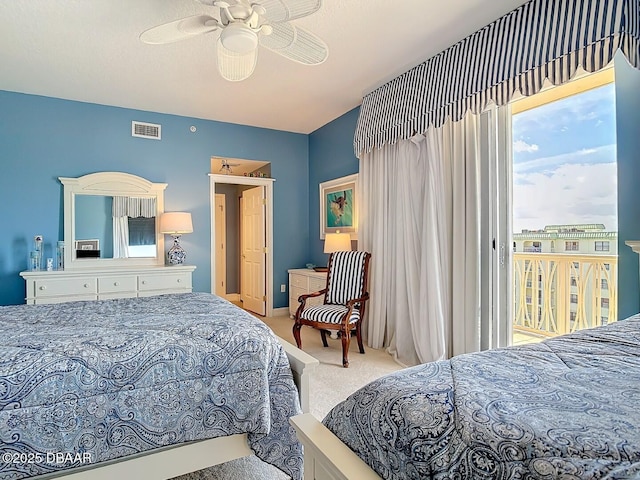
(564, 162)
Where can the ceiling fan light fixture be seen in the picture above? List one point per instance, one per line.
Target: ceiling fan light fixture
(235, 66)
(239, 38)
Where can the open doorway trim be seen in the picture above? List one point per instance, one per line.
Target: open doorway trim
(252, 181)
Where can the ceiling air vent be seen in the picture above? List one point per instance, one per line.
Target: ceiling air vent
(146, 130)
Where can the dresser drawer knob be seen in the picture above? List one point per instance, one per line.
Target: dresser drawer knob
(43, 287)
(144, 282)
(179, 280)
(86, 285)
(115, 284)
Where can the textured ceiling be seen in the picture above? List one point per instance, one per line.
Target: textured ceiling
(89, 50)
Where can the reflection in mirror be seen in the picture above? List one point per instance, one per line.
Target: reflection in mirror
(124, 227)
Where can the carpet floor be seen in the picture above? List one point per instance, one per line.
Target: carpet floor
(329, 385)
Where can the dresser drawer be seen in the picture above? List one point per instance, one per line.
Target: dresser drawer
(117, 284)
(311, 302)
(114, 295)
(77, 298)
(171, 281)
(65, 286)
(317, 284)
(299, 281)
(294, 293)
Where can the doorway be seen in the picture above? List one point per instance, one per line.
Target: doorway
(259, 280)
(564, 209)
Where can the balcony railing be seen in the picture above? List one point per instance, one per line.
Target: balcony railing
(547, 308)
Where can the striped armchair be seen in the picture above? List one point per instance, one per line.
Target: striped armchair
(345, 297)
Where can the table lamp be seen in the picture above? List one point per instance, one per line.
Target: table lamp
(335, 242)
(176, 224)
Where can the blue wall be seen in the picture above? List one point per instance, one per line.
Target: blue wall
(96, 214)
(330, 157)
(628, 141)
(43, 138)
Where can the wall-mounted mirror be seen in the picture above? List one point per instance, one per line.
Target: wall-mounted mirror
(111, 220)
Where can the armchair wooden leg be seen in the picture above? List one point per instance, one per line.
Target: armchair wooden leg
(296, 334)
(346, 339)
(323, 335)
(359, 337)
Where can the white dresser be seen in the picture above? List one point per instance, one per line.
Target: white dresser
(305, 280)
(102, 284)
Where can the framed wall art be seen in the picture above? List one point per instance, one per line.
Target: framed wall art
(339, 206)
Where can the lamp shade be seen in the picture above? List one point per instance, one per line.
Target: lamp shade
(175, 223)
(337, 242)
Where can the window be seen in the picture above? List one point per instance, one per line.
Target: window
(572, 316)
(142, 237)
(532, 247)
(574, 298)
(603, 284)
(574, 282)
(606, 266)
(604, 302)
(602, 246)
(571, 246)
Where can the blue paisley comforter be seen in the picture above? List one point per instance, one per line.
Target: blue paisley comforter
(565, 408)
(101, 380)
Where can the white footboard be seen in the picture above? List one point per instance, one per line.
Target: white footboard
(325, 456)
(302, 364)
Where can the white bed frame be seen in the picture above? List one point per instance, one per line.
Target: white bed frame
(172, 461)
(325, 456)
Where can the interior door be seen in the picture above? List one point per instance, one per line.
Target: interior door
(253, 245)
(220, 245)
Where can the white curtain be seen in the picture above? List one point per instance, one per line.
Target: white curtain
(120, 237)
(123, 208)
(420, 220)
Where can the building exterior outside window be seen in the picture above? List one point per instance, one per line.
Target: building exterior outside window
(559, 292)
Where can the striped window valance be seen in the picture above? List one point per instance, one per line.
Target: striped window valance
(542, 39)
(134, 207)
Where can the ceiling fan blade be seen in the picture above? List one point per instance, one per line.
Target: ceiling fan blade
(285, 10)
(179, 30)
(296, 44)
(235, 66)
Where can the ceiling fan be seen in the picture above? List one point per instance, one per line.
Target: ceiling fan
(226, 166)
(245, 24)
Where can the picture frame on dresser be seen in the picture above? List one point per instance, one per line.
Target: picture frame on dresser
(88, 248)
(93, 244)
(339, 206)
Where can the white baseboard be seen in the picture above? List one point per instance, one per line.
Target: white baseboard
(232, 297)
(281, 312)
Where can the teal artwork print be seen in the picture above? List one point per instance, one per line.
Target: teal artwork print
(339, 207)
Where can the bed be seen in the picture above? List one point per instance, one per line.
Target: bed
(144, 388)
(564, 408)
